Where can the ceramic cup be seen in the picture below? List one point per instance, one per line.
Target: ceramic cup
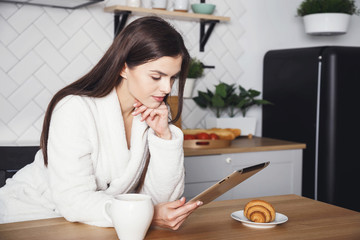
(131, 215)
(146, 3)
(159, 4)
(133, 3)
(181, 5)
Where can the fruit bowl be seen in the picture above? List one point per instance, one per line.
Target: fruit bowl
(203, 8)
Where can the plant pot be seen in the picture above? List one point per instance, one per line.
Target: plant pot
(246, 125)
(326, 23)
(189, 87)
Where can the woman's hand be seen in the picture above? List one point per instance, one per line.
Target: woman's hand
(173, 214)
(156, 118)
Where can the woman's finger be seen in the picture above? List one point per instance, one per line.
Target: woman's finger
(177, 203)
(186, 208)
(180, 219)
(137, 104)
(138, 110)
(146, 113)
(180, 222)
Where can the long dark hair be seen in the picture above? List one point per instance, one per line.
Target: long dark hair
(143, 40)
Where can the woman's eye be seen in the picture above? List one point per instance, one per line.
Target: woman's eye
(156, 78)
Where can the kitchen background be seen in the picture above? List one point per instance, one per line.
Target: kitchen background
(42, 49)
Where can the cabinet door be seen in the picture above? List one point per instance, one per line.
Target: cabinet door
(203, 171)
(282, 176)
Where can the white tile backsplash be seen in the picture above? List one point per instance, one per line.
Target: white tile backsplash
(51, 56)
(7, 137)
(231, 67)
(10, 32)
(93, 53)
(98, 34)
(7, 58)
(56, 14)
(25, 118)
(7, 10)
(28, 137)
(8, 111)
(76, 69)
(8, 86)
(25, 42)
(24, 17)
(43, 98)
(50, 30)
(49, 78)
(75, 45)
(25, 67)
(75, 21)
(25, 93)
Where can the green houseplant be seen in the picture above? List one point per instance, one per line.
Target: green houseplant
(327, 17)
(225, 99)
(327, 6)
(196, 70)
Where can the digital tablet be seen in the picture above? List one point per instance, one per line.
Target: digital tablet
(228, 183)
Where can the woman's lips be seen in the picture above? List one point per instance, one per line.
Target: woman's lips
(159, 99)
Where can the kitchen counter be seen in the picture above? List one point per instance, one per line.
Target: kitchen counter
(245, 144)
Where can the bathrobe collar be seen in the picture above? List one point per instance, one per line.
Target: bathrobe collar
(127, 162)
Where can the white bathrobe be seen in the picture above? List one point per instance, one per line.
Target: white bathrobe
(89, 163)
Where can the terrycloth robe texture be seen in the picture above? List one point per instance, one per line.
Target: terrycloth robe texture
(89, 163)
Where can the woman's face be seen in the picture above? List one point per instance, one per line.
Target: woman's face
(150, 82)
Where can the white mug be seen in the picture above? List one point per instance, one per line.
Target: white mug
(131, 215)
(159, 4)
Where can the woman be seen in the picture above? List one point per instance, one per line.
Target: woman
(108, 133)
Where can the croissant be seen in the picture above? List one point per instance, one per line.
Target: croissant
(259, 211)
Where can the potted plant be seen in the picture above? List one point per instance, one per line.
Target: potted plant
(196, 70)
(327, 17)
(225, 99)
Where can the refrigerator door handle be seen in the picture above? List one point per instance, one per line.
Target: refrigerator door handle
(317, 129)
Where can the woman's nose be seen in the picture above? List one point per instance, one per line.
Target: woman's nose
(165, 85)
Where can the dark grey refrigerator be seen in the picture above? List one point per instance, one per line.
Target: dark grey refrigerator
(315, 93)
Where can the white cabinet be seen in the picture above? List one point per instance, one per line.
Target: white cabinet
(282, 176)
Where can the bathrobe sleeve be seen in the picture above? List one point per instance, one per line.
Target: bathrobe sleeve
(164, 179)
(71, 150)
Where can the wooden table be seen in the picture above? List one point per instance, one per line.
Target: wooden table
(308, 219)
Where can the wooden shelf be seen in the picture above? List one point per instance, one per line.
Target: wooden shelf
(181, 15)
(122, 12)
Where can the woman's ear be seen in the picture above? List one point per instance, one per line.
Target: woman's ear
(123, 72)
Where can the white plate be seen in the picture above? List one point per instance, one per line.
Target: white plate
(239, 216)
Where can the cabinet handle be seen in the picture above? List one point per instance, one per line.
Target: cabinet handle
(228, 160)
